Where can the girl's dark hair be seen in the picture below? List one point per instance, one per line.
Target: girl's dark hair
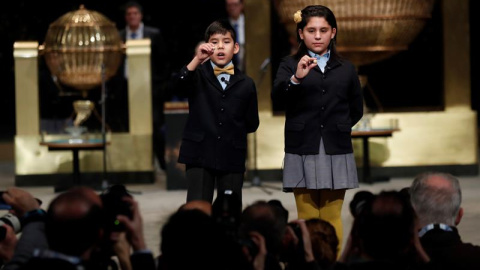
(317, 11)
(220, 27)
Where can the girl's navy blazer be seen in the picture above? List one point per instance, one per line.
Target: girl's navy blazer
(324, 105)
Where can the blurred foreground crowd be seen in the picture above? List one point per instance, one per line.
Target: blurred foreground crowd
(414, 228)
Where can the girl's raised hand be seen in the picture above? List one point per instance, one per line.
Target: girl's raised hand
(304, 66)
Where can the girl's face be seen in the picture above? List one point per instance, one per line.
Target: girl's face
(317, 35)
(225, 48)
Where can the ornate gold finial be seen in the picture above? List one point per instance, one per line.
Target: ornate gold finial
(297, 17)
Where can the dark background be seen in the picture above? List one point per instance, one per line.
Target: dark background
(409, 81)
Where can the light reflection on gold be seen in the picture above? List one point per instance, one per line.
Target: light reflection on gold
(72, 54)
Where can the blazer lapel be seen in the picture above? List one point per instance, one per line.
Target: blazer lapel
(208, 70)
(235, 78)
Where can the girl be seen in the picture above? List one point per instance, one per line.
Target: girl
(323, 101)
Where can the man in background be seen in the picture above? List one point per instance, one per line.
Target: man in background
(136, 29)
(237, 20)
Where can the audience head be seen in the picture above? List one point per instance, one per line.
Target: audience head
(385, 230)
(436, 198)
(324, 241)
(74, 221)
(360, 199)
(191, 239)
(266, 219)
(282, 209)
(201, 205)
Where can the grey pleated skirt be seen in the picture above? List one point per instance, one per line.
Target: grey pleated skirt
(321, 171)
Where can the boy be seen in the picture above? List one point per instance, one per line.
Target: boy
(223, 108)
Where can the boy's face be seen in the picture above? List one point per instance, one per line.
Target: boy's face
(225, 48)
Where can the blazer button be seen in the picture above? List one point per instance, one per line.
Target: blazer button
(323, 91)
(323, 108)
(220, 123)
(223, 96)
(222, 109)
(219, 137)
(321, 126)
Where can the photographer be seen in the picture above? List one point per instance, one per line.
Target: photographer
(69, 235)
(123, 231)
(28, 210)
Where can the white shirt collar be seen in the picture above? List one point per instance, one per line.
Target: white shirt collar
(139, 32)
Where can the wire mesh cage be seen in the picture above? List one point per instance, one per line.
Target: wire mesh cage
(368, 30)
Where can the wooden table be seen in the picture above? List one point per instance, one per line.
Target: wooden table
(365, 135)
(74, 145)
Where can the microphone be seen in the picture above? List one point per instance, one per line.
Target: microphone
(265, 64)
(227, 82)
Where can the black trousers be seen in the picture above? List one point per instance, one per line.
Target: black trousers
(201, 183)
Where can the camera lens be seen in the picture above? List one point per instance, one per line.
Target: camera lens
(12, 221)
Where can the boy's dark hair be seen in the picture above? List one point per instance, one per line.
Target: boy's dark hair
(220, 27)
(317, 11)
(130, 4)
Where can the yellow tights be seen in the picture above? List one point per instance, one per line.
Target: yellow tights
(325, 204)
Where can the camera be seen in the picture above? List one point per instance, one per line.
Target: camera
(114, 205)
(12, 221)
(249, 245)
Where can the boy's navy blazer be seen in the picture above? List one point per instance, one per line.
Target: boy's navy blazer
(215, 134)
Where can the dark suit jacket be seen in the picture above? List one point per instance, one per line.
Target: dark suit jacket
(215, 135)
(160, 72)
(447, 250)
(324, 105)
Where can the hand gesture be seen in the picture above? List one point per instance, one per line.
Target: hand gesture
(305, 64)
(258, 259)
(20, 200)
(307, 243)
(8, 244)
(134, 226)
(204, 51)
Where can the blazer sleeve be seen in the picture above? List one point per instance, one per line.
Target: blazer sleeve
(282, 85)
(183, 82)
(356, 98)
(253, 120)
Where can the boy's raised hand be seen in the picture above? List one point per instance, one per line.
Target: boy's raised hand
(204, 51)
(202, 54)
(305, 64)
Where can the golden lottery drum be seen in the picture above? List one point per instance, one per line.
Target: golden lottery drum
(77, 45)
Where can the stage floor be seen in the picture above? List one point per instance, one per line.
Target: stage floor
(157, 203)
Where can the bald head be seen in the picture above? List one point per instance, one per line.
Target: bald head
(201, 205)
(74, 221)
(436, 198)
